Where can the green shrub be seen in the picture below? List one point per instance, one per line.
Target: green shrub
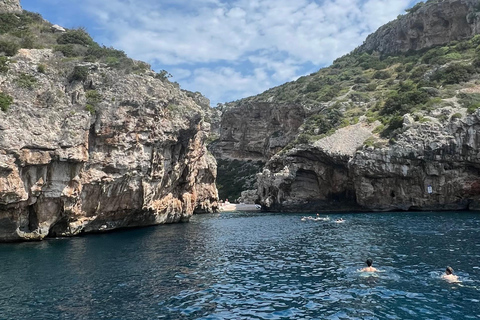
(456, 116)
(361, 79)
(476, 63)
(112, 62)
(41, 68)
(399, 103)
(454, 73)
(68, 50)
(15, 21)
(392, 127)
(371, 87)
(473, 107)
(10, 48)
(80, 73)
(5, 101)
(4, 62)
(419, 72)
(382, 74)
(359, 97)
(379, 129)
(367, 61)
(90, 109)
(99, 52)
(328, 93)
(76, 36)
(369, 142)
(303, 138)
(93, 97)
(26, 81)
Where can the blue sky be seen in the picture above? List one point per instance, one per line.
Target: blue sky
(227, 49)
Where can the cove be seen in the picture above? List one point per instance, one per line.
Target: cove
(252, 266)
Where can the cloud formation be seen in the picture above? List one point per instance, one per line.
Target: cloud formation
(229, 49)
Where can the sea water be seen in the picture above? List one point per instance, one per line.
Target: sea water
(252, 266)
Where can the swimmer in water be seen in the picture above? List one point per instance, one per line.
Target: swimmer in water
(449, 276)
(340, 220)
(369, 267)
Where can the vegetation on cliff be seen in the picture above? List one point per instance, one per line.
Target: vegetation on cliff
(383, 88)
(91, 139)
(421, 69)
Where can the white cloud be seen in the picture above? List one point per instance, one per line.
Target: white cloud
(216, 40)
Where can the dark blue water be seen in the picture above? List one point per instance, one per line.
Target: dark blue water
(252, 266)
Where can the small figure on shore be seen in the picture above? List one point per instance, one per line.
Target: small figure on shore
(449, 276)
(369, 267)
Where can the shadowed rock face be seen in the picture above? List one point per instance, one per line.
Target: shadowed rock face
(257, 130)
(307, 179)
(431, 25)
(10, 6)
(139, 160)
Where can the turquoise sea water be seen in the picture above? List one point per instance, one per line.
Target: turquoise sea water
(252, 266)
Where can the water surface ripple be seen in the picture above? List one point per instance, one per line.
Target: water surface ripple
(252, 266)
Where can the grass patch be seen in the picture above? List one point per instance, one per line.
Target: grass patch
(5, 101)
(26, 81)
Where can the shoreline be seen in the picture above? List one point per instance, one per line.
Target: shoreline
(231, 207)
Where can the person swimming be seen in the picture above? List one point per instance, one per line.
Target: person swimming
(369, 267)
(341, 220)
(449, 276)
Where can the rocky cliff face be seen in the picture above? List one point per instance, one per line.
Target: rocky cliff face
(338, 156)
(107, 151)
(257, 130)
(432, 166)
(249, 133)
(435, 23)
(10, 6)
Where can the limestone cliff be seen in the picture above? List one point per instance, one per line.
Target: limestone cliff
(432, 166)
(87, 147)
(10, 6)
(434, 23)
(249, 133)
(390, 126)
(257, 130)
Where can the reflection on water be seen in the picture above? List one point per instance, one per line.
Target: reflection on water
(252, 266)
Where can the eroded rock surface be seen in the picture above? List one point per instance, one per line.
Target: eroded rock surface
(435, 23)
(10, 6)
(432, 166)
(257, 130)
(114, 150)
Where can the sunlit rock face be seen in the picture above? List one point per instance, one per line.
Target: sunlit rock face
(110, 151)
(435, 23)
(10, 6)
(431, 166)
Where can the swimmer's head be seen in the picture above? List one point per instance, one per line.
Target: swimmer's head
(449, 270)
(369, 262)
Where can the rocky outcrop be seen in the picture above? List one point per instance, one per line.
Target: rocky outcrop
(111, 150)
(10, 6)
(432, 166)
(306, 179)
(435, 23)
(314, 177)
(257, 130)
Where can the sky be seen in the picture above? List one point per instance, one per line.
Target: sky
(227, 49)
